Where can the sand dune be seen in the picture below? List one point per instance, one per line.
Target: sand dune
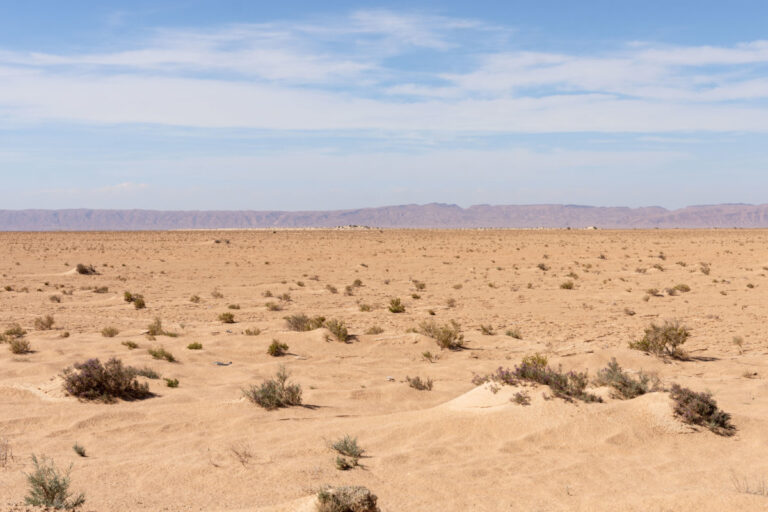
(459, 447)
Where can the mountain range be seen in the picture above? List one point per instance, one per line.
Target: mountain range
(433, 215)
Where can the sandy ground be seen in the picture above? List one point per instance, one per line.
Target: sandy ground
(458, 447)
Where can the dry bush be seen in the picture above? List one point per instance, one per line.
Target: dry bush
(161, 353)
(19, 346)
(107, 382)
(419, 384)
(14, 331)
(195, 346)
(277, 349)
(567, 285)
(521, 398)
(700, 409)
(227, 318)
(86, 270)
(447, 336)
(374, 330)
(275, 393)
(346, 499)
(156, 329)
(663, 340)
(338, 329)
(6, 453)
(252, 332)
(624, 386)
(44, 323)
(301, 322)
(514, 333)
(487, 330)
(109, 332)
(396, 306)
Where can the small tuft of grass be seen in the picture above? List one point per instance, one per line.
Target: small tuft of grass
(171, 383)
(487, 330)
(419, 384)
(227, 318)
(275, 393)
(79, 449)
(147, 372)
(195, 346)
(109, 332)
(44, 323)
(514, 333)
(396, 306)
(277, 349)
(567, 285)
(130, 344)
(195, 299)
(348, 447)
(234, 306)
(365, 308)
(252, 332)
(374, 330)
(161, 353)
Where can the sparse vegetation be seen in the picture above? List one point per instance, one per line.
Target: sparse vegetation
(521, 398)
(252, 332)
(156, 329)
(136, 299)
(44, 323)
(346, 499)
(49, 487)
(273, 306)
(374, 330)
(514, 333)
(92, 380)
(567, 285)
(624, 386)
(195, 346)
(338, 329)
(663, 340)
(147, 372)
(130, 344)
(301, 322)
(109, 332)
(447, 336)
(365, 308)
(171, 383)
(700, 409)
(487, 330)
(80, 450)
(396, 306)
(161, 353)
(227, 318)
(86, 270)
(277, 349)
(419, 384)
(275, 393)
(195, 299)
(19, 346)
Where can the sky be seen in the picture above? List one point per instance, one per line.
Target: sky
(307, 105)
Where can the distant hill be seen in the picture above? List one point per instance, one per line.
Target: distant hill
(433, 215)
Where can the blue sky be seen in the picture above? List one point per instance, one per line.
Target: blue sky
(323, 105)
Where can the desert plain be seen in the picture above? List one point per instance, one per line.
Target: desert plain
(202, 446)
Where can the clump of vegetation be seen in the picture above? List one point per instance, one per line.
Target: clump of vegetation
(147, 372)
(48, 487)
(195, 346)
(55, 298)
(419, 384)
(234, 306)
(374, 330)
(109, 332)
(663, 340)
(130, 344)
(700, 409)
(624, 386)
(567, 285)
(543, 267)
(252, 332)
(19, 346)
(275, 393)
(301, 322)
(447, 336)
(195, 299)
(514, 333)
(156, 329)
(277, 349)
(338, 329)
(227, 318)
(349, 452)
(14, 331)
(171, 383)
(521, 398)
(684, 288)
(101, 289)
(396, 306)
(346, 499)
(107, 382)
(79, 449)
(365, 308)
(216, 294)
(419, 285)
(44, 323)
(136, 299)
(86, 270)
(487, 330)
(331, 288)
(161, 353)
(273, 306)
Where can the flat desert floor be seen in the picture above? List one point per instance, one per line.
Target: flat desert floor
(459, 447)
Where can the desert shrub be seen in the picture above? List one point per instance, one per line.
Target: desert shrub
(344, 464)
(543, 266)
(156, 329)
(374, 330)
(273, 306)
(48, 487)
(357, 283)
(301, 322)
(451, 303)
(130, 344)
(429, 356)
(487, 330)
(79, 449)
(419, 285)
(663, 340)
(55, 298)
(14, 331)
(396, 306)
(348, 447)
(136, 299)
(195, 346)
(86, 270)
(107, 382)
(705, 269)
(624, 386)
(109, 332)
(227, 318)
(419, 384)
(275, 393)
(277, 349)
(233, 306)
(365, 308)
(267, 293)
(415, 296)
(44, 323)
(195, 299)
(161, 353)
(252, 332)
(171, 383)
(349, 290)
(331, 288)
(700, 409)
(216, 294)
(19, 346)
(521, 398)
(147, 372)
(346, 499)
(514, 333)
(338, 329)
(682, 288)
(101, 289)
(447, 336)
(567, 285)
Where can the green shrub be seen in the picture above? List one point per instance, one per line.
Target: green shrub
(93, 381)
(161, 353)
(48, 487)
(663, 340)
(277, 349)
(396, 306)
(195, 346)
(447, 336)
(171, 383)
(301, 322)
(348, 446)
(624, 386)
(275, 393)
(338, 329)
